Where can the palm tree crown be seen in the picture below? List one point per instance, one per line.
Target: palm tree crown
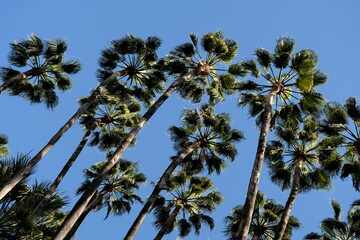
(335, 229)
(216, 137)
(192, 196)
(114, 117)
(48, 70)
(319, 157)
(344, 121)
(294, 82)
(135, 59)
(188, 56)
(264, 222)
(117, 189)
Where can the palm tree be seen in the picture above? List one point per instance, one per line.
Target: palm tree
(3, 148)
(301, 161)
(127, 48)
(112, 117)
(116, 193)
(264, 222)
(335, 229)
(195, 199)
(15, 219)
(214, 45)
(205, 139)
(294, 83)
(344, 121)
(48, 70)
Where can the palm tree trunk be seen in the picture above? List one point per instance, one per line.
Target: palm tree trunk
(95, 201)
(65, 169)
(22, 174)
(150, 202)
(290, 201)
(6, 84)
(168, 223)
(85, 198)
(256, 171)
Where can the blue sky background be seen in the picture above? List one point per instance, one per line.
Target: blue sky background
(330, 27)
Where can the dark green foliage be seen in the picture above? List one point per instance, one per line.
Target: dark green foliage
(205, 78)
(15, 209)
(342, 122)
(114, 118)
(216, 137)
(292, 77)
(264, 222)
(334, 228)
(319, 157)
(117, 189)
(194, 196)
(47, 70)
(136, 61)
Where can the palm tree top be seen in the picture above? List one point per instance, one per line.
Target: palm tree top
(118, 187)
(47, 69)
(193, 196)
(291, 76)
(264, 222)
(343, 121)
(204, 59)
(134, 60)
(214, 134)
(319, 156)
(334, 228)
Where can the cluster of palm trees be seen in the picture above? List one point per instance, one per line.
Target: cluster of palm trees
(315, 140)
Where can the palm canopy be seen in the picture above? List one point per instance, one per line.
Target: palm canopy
(15, 209)
(3, 147)
(335, 229)
(190, 196)
(47, 70)
(135, 59)
(114, 117)
(204, 59)
(302, 144)
(264, 222)
(344, 121)
(291, 76)
(213, 131)
(117, 189)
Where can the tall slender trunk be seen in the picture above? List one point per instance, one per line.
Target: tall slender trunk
(290, 201)
(164, 178)
(65, 169)
(168, 222)
(25, 171)
(256, 171)
(85, 198)
(95, 201)
(18, 77)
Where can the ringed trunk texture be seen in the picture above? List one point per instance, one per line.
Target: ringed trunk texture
(290, 201)
(96, 200)
(22, 174)
(168, 223)
(85, 198)
(256, 171)
(165, 177)
(65, 169)
(6, 84)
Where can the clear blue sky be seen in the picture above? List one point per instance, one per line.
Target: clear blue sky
(330, 27)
